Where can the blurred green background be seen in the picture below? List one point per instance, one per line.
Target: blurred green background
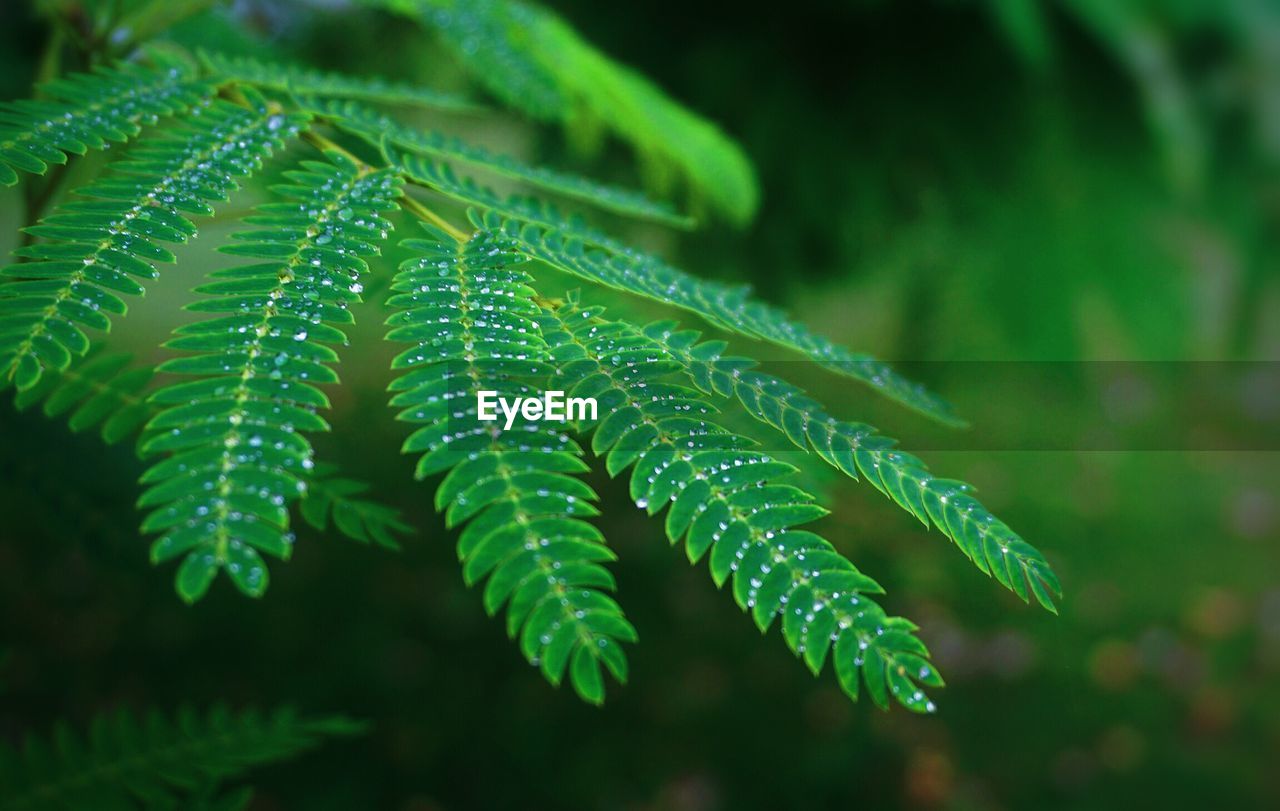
(942, 181)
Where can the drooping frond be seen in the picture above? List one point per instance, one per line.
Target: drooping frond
(377, 129)
(154, 761)
(726, 306)
(228, 444)
(236, 457)
(858, 449)
(470, 320)
(105, 391)
(340, 498)
(109, 391)
(483, 36)
(86, 111)
(724, 502)
(308, 82)
(534, 61)
(99, 248)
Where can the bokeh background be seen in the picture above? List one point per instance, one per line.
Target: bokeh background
(1066, 183)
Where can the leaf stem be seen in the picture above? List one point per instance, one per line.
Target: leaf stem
(420, 210)
(415, 207)
(326, 145)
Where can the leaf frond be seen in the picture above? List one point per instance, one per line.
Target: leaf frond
(86, 111)
(729, 307)
(857, 450)
(471, 322)
(534, 61)
(377, 129)
(442, 178)
(307, 82)
(723, 501)
(154, 759)
(233, 437)
(96, 250)
(331, 496)
(105, 391)
(228, 444)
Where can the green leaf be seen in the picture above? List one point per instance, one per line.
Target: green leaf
(514, 488)
(859, 450)
(86, 111)
(155, 760)
(340, 498)
(728, 307)
(103, 392)
(309, 82)
(236, 434)
(536, 62)
(379, 129)
(96, 246)
(723, 501)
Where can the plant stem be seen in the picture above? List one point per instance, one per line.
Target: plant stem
(417, 208)
(325, 145)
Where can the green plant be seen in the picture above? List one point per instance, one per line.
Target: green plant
(225, 436)
(154, 761)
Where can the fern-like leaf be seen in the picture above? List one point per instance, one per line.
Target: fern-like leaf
(96, 250)
(725, 504)
(105, 391)
(484, 36)
(340, 498)
(86, 111)
(858, 449)
(155, 761)
(308, 82)
(471, 323)
(534, 61)
(441, 177)
(109, 391)
(377, 129)
(236, 457)
(729, 307)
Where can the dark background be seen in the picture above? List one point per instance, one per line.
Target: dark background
(938, 185)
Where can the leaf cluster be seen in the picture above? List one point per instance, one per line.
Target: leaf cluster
(224, 423)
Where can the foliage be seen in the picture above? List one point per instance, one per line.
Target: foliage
(90, 111)
(237, 458)
(931, 198)
(99, 248)
(336, 498)
(110, 392)
(723, 500)
(227, 445)
(156, 762)
(472, 326)
(534, 61)
(104, 390)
